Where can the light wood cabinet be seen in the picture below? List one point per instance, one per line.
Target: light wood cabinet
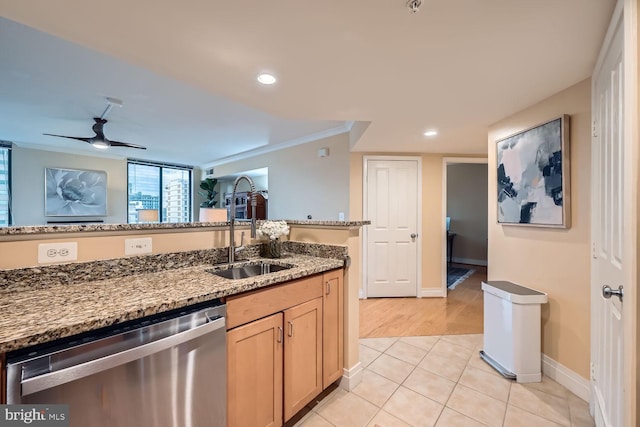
(284, 347)
(332, 327)
(254, 373)
(249, 306)
(302, 355)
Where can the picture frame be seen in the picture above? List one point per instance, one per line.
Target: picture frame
(533, 176)
(75, 192)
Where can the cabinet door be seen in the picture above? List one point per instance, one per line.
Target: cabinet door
(254, 373)
(332, 327)
(302, 355)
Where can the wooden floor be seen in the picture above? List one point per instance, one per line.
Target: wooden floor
(460, 313)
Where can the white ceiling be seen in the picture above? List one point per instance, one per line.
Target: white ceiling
(186, 71)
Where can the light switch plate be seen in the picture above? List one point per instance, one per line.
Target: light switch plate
(139, 246)
(341, 216)
(57, 252)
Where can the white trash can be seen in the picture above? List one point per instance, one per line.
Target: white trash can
(512, 330)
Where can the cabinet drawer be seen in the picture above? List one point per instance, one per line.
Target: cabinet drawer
(257, 304)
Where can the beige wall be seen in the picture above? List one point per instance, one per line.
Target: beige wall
(634, 396)
(467, 208)
(432, 221)
(555, 261)
(19, 253)
(300, 182)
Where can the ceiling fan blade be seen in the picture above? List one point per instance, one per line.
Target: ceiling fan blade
(126, 144)
(69, 137)
(99, 140)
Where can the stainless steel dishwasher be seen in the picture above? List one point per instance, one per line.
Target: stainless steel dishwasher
(165, 370)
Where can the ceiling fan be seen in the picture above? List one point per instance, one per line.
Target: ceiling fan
(99, 140)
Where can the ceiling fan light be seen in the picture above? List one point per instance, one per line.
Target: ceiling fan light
(100, 145)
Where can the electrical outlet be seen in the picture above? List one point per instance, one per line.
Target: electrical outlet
(57, 252)
(137, 246)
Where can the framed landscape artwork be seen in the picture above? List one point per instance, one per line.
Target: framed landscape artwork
(72, 192)
(533, 176)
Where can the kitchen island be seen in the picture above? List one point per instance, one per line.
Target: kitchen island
(35, 314)
(106, 287)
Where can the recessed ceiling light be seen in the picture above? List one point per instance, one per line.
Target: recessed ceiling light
(431, 133)
(266, 79)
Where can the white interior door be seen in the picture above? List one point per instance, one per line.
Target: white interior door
(608, 219)
(392, 205)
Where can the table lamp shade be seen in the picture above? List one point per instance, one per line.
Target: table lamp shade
(147, 215)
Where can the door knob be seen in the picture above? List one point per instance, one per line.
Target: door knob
(607, 292)
(414, 235)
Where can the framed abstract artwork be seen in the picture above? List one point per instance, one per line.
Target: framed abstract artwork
(533, 176)
(72, 192)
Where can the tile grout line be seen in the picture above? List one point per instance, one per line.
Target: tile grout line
(457, 382)
(405, 379)
(541, 415)
(564, 399)
(504, 417)
(413, 370)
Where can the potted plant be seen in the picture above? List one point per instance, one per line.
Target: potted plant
(208, 213)
(209, 193)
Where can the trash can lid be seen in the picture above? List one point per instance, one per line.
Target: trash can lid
(515, 293)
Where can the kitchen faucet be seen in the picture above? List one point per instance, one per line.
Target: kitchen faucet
(232, 215)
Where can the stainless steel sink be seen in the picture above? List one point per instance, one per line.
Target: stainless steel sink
(249, 270)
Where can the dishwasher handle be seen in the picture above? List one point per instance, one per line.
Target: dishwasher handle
(72, 373)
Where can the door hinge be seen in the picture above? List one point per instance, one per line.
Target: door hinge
(593, 371)
(593, 250)
(594, 129)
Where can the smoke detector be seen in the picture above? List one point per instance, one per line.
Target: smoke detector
(414, 5)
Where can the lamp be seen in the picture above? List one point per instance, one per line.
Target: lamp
(148, 215)
(213, 215)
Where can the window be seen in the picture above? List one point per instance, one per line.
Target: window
(158, 192)
(5, 184)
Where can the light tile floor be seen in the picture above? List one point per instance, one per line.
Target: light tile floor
(442, 382)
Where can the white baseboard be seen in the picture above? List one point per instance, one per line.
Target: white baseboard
(469, 261)
(564, 376)
(424, 293)
(431, 292)
(351, 377)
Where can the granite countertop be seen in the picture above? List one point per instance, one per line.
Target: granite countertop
(34, 315)
(79, 228)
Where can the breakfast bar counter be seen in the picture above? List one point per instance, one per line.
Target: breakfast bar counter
(37, 313)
